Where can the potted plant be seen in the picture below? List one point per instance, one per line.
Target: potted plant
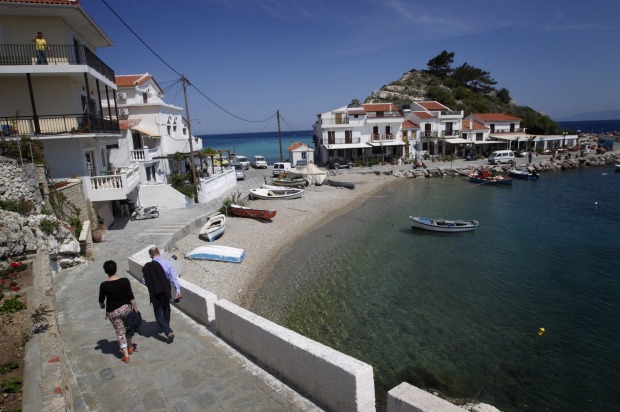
(97, 232)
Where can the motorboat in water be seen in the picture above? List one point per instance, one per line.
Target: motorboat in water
(443, 225)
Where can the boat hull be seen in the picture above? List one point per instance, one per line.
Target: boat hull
(217, 253)
(442, 225)
(503, 181)
(261, 214)
(214, 227)
(523, 175)
(348, 185)
(286, 182)
(272, 194)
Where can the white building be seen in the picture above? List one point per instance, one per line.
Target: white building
(59, 103)
(300, 152)
(439, 128)
(152, 129)
(360, 132)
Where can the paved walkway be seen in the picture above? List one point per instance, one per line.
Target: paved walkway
(196, 372)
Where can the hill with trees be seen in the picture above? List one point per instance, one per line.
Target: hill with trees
(464, 87)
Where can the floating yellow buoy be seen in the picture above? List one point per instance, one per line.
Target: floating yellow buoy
(541, 331)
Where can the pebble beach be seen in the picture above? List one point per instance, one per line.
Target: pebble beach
(264, 242)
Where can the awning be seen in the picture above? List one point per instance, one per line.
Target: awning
(145, 131)
(489, 142)
(457, 140)
(512, 138)
(386, 144)
(345, 146)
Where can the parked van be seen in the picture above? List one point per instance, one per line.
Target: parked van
(259, 162)
(281, 167)
(242, 160)
(501, 156)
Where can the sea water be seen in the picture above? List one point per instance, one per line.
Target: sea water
(461, 313)
(266, 144)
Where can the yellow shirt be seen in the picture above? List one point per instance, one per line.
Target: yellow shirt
(40, 44)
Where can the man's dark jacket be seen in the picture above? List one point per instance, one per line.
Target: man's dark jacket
(157, 283)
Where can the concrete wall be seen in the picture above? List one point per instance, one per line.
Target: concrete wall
(162, 196)
(333, 379)
(215, 186)
(408, 398)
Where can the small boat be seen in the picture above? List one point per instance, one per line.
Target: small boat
(617, 167)
(243, 211)
(272, 193)
(524, 174)
(310, 172)
(213, 228)
(218, 253)
(443, 225)
(348, 185)
(487, 177)
(290, 181)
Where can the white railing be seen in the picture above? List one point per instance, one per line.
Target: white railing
(144, 155)
(113, 187)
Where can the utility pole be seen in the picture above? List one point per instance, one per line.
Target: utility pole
(191, 146)
(279, 134)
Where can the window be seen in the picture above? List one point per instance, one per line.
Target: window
(145, 97)
(174, 125)
(168, 126)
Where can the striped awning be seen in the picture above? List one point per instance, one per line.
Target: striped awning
(145, 131)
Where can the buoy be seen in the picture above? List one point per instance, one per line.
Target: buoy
(541, 331)
(595, 203)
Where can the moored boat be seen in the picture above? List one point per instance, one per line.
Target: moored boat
(335, 183)
(289, 181)
(244, 211)
(488, 177)
(213, 228)
(443, 225)
(271, 193)
(310, 172)
(524, 174)
(217, 253)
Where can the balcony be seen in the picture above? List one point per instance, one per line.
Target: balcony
(57, 54)
(144, 155)
(335, 121)
(429, 134)
(352, 140)
(56, 125)
(450, 114)
(384, 115)
(380, 137)
(112, 187)
(446, 133)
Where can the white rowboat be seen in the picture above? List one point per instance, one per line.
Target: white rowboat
(272, 193)
(213, 228)
(442, 225)
(218, 253)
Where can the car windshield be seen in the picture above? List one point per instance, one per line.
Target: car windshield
(238, 167)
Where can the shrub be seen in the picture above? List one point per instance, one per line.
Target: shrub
(48, 226)
(8, 367)
(11, 385)
(21, 206)
(12, 305)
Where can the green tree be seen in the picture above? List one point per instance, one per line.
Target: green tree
(441, 94)
(440, 65)
(503, 96)
(473, 78)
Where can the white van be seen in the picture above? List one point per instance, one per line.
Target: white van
(281, 167)
(501, 156)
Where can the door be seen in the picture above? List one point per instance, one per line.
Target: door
(427, 130)
(331, 137)
(347, 136)
(449, 129)
(89, 159)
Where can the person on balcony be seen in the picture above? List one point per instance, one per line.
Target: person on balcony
(41, 47)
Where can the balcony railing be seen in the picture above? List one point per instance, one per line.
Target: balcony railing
(113, 187)
(445, 133)
(384, 115)
(56, 124)
(144, 155)
(344, 140)
(429, 134)
(344, 120)
(516, 130)
(445, 113)
(381, 137)
(57, 54)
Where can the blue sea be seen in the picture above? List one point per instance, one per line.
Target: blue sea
(265, 144)
(460, 314)
(592, 126)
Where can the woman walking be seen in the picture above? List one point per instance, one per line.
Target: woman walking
(119, 302)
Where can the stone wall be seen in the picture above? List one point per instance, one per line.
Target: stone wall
(19, 182)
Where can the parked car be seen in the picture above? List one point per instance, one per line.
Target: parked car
(501, 156)
(239, 171)
(338, 162)
(259, 162)
(281, 167)
(242, 160)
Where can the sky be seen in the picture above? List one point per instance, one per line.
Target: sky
(251, 58)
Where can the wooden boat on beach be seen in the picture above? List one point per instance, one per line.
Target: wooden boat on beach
(217, 253)
(335, 183)
(280, 193)
(525, 174)
(487, 177)
(213, 228)
(289, 181)
(244, 211)
(443, 225)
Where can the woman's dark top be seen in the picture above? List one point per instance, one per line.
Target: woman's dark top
(115, 293)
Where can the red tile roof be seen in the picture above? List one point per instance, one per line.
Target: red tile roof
(409, 125)
(296, 145)
(380, 107)
(127, 124)
(356, 111)
(130, 80)
(474, 126)
(423, 115)
(432, 105)
(496, 117)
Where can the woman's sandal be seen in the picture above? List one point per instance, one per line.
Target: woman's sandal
(125, 359)
(130, 350)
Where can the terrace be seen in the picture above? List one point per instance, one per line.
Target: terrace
(57, 125)
(57, 55)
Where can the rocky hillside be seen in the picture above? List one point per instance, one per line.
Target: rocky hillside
(462, 88)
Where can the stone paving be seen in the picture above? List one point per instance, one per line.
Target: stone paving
(196, 372)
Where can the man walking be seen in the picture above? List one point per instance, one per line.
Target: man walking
(157, 276)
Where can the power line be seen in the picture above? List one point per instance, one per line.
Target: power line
(290, 125)
(179, 74)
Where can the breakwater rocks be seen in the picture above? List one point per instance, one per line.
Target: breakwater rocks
(542, 166)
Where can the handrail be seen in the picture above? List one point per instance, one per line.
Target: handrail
(57, 54)
(57, 124)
